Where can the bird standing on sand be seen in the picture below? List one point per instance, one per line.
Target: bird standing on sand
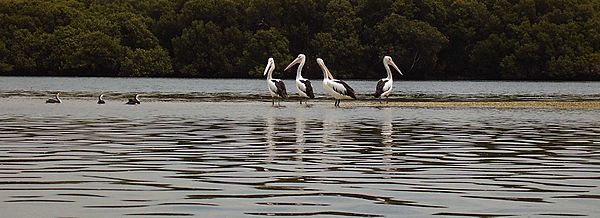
(304, 86)
(276, 86)
(55, 100)
(384, 86)
(334, 87)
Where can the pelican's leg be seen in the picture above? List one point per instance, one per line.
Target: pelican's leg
(300, 100)
(272, 101)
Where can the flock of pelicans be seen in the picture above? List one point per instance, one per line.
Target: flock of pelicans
(338, 89)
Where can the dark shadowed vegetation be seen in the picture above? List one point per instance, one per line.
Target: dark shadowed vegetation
(428, 39)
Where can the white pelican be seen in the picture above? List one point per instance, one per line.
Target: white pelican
(304, 87)
(336, 88)
(56, 99)
(100, 101)
(384, 86)
(134, 100)
(276, 86)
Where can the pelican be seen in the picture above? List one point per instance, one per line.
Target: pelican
(56, 99)
(304, 87)
(276, 86)
(134, 100)
(336, 88)
(384, 86)
(100, 101)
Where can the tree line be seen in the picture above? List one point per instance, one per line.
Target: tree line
(428, 39)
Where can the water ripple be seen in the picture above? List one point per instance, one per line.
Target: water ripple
(479, 163)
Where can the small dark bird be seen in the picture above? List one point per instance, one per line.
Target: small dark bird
(134, 100)
(100, 101)
(55, 100)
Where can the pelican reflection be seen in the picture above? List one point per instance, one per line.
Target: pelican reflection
(300, 142)
(300, 139)
(269, 130)
(387, 140)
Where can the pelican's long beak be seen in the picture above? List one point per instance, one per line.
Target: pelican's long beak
(267, 68)
(296, 61)
(320, 62)
(326, 72)
(396, 67)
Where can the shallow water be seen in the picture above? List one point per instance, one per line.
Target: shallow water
(248, 159)
(203, 89)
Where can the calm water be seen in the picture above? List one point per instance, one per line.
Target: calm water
(193, 89)
(247, 159)
(240, 159)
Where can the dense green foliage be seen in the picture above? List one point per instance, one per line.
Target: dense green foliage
(428, 39)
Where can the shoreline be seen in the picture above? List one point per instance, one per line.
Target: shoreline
(397, 103)
(540, 104)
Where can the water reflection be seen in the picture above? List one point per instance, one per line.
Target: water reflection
(269, 131)
(387, 140)
(331, 140)
(300, 141)
(301, 162)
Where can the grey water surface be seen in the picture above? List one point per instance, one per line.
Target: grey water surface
(248, 159)
(194, 89)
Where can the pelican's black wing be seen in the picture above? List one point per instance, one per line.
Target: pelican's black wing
(309, 89)
(379, 89)
(280, 88)
(349, 91)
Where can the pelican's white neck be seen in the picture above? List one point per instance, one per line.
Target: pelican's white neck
(270, 68)
(270, 73)
(387, 69)
(326, 73)
(299, 71)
